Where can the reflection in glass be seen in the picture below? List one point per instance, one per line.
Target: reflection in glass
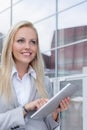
(72, 118)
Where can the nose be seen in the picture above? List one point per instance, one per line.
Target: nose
(27, 45)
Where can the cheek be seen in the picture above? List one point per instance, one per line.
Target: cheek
(14, 54)
(35, 51)
(14, 50)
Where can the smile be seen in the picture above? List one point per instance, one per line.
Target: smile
(26, 53)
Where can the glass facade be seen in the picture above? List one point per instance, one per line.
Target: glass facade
(62, 29)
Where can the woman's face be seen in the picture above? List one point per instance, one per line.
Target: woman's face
(24, 46)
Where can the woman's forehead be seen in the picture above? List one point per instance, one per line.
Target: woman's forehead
(26, 31)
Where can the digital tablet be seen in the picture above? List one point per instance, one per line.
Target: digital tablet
(54, 102)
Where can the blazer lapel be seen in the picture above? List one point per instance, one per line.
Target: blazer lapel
(33, 90)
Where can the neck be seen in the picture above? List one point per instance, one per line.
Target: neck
(22, 69)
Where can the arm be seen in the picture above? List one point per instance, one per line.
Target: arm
(53, 119)
(12, 118)
(51, 123)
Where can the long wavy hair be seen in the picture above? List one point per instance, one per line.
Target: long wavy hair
(7, 63)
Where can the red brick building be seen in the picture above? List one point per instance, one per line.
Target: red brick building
(73, 55)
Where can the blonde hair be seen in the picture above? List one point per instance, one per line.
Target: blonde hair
(7, 63)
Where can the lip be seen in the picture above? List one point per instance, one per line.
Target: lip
(26, 53)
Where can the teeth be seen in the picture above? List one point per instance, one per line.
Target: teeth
(26, 53)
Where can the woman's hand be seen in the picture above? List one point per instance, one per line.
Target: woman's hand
(35, 105)
(38, 103)
(64, 104)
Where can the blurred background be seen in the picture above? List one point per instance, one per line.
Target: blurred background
(62, 29)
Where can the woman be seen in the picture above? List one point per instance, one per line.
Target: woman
(23, 87)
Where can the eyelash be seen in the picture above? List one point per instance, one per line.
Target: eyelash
(20, 40)
(32, 42)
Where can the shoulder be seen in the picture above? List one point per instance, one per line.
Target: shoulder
(47, 79)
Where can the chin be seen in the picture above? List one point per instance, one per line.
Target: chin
(26, 62)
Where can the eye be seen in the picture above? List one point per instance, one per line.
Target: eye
(33, 42)
(20, 40)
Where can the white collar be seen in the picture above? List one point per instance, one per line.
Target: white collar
(31, 71)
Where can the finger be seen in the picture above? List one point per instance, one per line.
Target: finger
(64, 105)
(67, 101)
(41, 102)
